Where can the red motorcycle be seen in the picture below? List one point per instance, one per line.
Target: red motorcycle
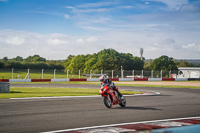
(110, 97)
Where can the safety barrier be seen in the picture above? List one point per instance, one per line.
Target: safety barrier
(96, 79)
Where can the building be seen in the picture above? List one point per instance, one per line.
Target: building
(189, 72)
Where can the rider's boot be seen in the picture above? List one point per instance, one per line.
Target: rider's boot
(121, 96)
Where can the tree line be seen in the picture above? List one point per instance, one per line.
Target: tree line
(31, 62)
(107, 59)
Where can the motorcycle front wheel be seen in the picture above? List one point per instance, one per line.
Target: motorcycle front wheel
(107, 101)
(123, 102)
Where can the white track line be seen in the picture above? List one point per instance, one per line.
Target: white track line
(111, 125)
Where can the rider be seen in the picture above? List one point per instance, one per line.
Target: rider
(105, 81)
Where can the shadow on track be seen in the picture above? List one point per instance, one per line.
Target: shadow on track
(137, 108)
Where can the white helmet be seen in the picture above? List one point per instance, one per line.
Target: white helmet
(102, 78)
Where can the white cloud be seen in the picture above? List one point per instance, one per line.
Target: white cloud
(70, 7)
(192, 46)
(67, 16)
(172, 4)
(56, 41)
(14, 40)
(59, 46)
(189, 45)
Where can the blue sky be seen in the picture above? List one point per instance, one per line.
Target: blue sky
(55, 29)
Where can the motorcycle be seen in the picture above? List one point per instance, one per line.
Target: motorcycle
(111, 97)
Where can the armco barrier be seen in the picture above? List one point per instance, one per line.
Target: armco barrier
(114, 79)
(181, 79)
(96, 79)
(140, 79)
(40, 80)
(19, 80)
(168, 79)
(4, 80)
(77, 79)
(193, 79)
(59, 80)
(154, 79)
(93, 79)
(126, 79)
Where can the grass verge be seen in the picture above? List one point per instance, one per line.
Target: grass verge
(18, 92)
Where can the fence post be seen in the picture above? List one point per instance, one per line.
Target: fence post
(28, 73)
(42, 73)
(112, 74)
(121, 72)
(54, 73)
(79, 72)
(12, 72)
(90, 73)
(142, 73)
(101, 72)
(67, 73)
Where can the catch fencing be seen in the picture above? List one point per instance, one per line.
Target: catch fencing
(79, 74)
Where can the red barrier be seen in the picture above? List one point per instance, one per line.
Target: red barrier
(114, 79)
(168, 79)
(77, 79)
(140, 79)
(40, 80)
(4, 80)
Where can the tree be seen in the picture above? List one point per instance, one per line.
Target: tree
(1, 64)
(35, 58)
(67, 62)
(163, 63)
(5, 59)
(183, 63)
(107, 59)
(77, 63)
(18, 58)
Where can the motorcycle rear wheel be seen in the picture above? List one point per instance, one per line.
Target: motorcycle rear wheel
(107, 101)
(123, 102)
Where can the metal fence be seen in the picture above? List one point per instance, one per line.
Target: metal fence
(62, 74)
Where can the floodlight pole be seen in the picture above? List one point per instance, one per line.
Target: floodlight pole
(151, 73)
(133, 74)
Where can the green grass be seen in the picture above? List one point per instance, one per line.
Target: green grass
(21, 92)
(136, 85)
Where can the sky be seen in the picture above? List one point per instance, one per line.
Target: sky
(55, 29)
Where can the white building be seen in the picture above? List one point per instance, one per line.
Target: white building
(189, 72)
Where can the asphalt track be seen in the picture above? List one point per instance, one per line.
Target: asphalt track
(42, 115)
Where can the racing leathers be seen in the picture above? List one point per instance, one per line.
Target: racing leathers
(111, 84)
